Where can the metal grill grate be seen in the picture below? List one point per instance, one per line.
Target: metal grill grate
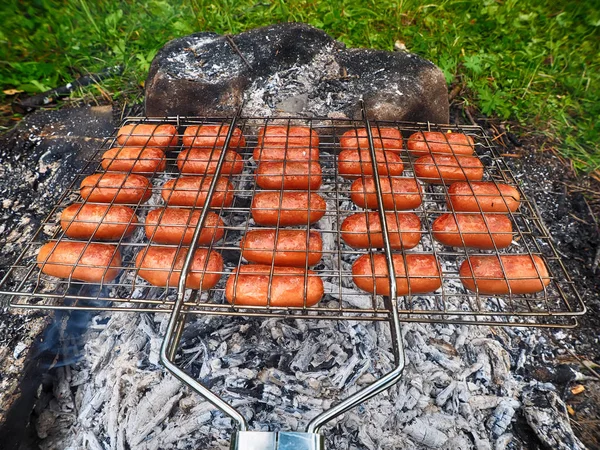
(558, 304)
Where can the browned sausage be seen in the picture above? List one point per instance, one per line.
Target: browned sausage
(354, 163)
(204, 161)
(290, 249)
(177, 225)
(289, 175)
(423, 143)
(435, 168)
(257, 285)
(192, 191)
(423, 274)
(287, 208)
(523, 274)
(134, 160)
(397, 193)
(287, 154)
(212, 136)
(95, 263)
(363, 230)
(103, 222)
(160, 267)
(274, 136)
(148, 135)
(389, 139)
(116, 188)
(484, 196)
(477, 230)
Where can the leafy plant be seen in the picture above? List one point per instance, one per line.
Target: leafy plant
(532, 61)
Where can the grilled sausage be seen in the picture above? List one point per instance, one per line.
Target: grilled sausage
(484, 231)
(282, 247)
(161, 266)
(204, 161)
(289, 175)
(518, 274)
(370, 273)
(116, 188)
(192, 191)
(287, 208)
(424, 143)
(483, 196)
(397, 193)
(389, 139)
(287, 154)
(177, 225)
(282, 136)
(212, 136)
(446, 168)
(94, 263)
(134, 160)
(363, 230)
(354, 163)
(257, 285)
(102, 222)
(148, 135)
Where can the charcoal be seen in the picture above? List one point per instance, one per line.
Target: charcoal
(291, 69)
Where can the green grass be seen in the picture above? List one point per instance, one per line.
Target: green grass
(534, 62)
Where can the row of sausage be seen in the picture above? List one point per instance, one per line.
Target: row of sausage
(188, 195)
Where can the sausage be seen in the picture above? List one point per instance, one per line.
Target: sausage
(397, 193)
(134, 160)
(289, 175)
(446, 168)
(389, 139)
(177, 225)
(282, 136)
(354, 163)
(363, 230)
(288, 154)
(212, 136)
(161, 266)
(484, 231)
(259, 246)
(116, 188)
(204, 161)
(484, 196)
(192, 191)
(148, 135)
(424, 143)
(523, 274)
(94, 263)
(103, 222)
(257, 285)
(423, 274)
(287, 208)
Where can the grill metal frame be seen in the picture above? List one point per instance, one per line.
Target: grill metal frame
(558, 305)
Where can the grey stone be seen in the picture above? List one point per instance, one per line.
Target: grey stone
(291, 69)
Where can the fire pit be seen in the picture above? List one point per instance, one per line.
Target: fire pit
(450, 304)
(343, 303)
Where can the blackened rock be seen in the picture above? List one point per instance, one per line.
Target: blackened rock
(291, 69)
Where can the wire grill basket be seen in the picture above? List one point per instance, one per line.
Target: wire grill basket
(558, 304)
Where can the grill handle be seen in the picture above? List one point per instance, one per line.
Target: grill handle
(282, 440)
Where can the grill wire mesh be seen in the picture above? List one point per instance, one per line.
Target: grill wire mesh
(557, 305)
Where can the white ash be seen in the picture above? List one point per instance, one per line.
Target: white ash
(290, 90)
(195, 62)
(457, 387)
